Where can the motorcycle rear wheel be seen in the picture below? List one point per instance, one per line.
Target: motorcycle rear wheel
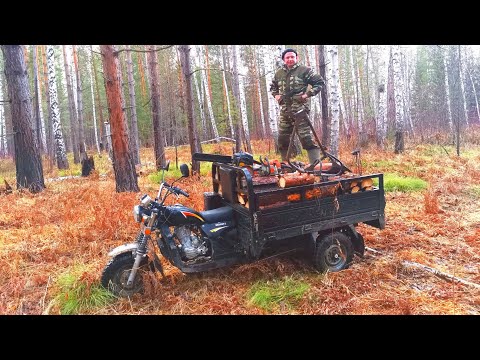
(116, 273)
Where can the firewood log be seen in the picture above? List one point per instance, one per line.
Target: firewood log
(326, 166)
(242, 199)
(355, 189)
(294, 197)
(288, 181)
(366, 183)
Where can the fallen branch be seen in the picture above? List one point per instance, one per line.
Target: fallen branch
(440, 274)
(373, 250)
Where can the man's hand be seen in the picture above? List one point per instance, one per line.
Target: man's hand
(278, 97)
(304, 97)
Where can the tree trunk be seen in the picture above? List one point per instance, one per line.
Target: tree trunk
(3, 125)
(90, 74)
(272, 104)
(28, 163)
(71, 106)
(81, 130)
(399, 116)
(207, 92)
(323, 94)
(184, 51)
(123, 164)
(155, 91)
(199, 93)
(462, 86)
(259, 92)
(39, 122)
(227, 93)
(361, 132)
(48, 120)
(334, 96)
(240, 73)
(382, 99)
(131, 90)
(103, 141)
(236, 95)
(60, 151)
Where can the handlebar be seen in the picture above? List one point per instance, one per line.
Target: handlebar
(176, 190)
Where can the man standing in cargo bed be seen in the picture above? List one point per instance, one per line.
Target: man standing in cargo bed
(289, 87)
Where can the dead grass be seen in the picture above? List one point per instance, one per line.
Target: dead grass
(77, 221)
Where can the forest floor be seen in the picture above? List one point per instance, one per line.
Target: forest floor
(54, 245)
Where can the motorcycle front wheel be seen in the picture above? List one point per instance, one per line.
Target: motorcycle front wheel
(116, 273)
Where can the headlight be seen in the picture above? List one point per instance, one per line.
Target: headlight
(145, 200)
(137, 213)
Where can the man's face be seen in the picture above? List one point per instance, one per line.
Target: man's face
(290, 59)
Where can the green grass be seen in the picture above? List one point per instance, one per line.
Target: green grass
(474, 190)
(437, 150)
(174, 173)
(74, 296)
(270, 295)
(394, 182)
(380, 164)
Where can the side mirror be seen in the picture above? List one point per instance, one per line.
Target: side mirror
(166, 166)
(184, 170)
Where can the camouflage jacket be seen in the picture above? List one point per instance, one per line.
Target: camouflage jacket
(300, 77)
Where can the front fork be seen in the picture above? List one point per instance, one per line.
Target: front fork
(142, 241)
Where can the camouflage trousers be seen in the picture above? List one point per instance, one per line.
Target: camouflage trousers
(285, 128)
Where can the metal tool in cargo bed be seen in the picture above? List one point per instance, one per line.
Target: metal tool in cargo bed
(309, 217)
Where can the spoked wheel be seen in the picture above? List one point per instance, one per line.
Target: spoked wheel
(116, 273)
(333, 252)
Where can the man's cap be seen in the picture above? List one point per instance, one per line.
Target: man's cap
(288, 50)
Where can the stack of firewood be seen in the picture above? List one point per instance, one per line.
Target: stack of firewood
(364, 185)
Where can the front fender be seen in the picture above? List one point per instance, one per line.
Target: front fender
(123, 249)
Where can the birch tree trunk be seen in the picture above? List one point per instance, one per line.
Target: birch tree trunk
(195, 146)
(203, 76)
(270, 67)
(123, 164)
(155, 91)
(243, 106)
(226, 68)
(28, 163)
(81, 130)
(354, 91)
(335, 101)
(48, 121)
(399, 116)
(474, 93)
(133, 106)
(3, 125)
(60, 151)
(227, 96)
(199, 94)
(71, 106)
(406, 92)
(39, 123)
(259, 91)
(382, 100)
(236, 94)
(361, 112)
(462, 86)
(447, 90)
(90, 74)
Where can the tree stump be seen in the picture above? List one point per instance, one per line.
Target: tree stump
(88, 166)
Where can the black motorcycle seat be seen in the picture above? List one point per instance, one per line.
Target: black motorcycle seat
(223, 213)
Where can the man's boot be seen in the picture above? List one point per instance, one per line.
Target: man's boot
(283, 153)
(313, 155)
